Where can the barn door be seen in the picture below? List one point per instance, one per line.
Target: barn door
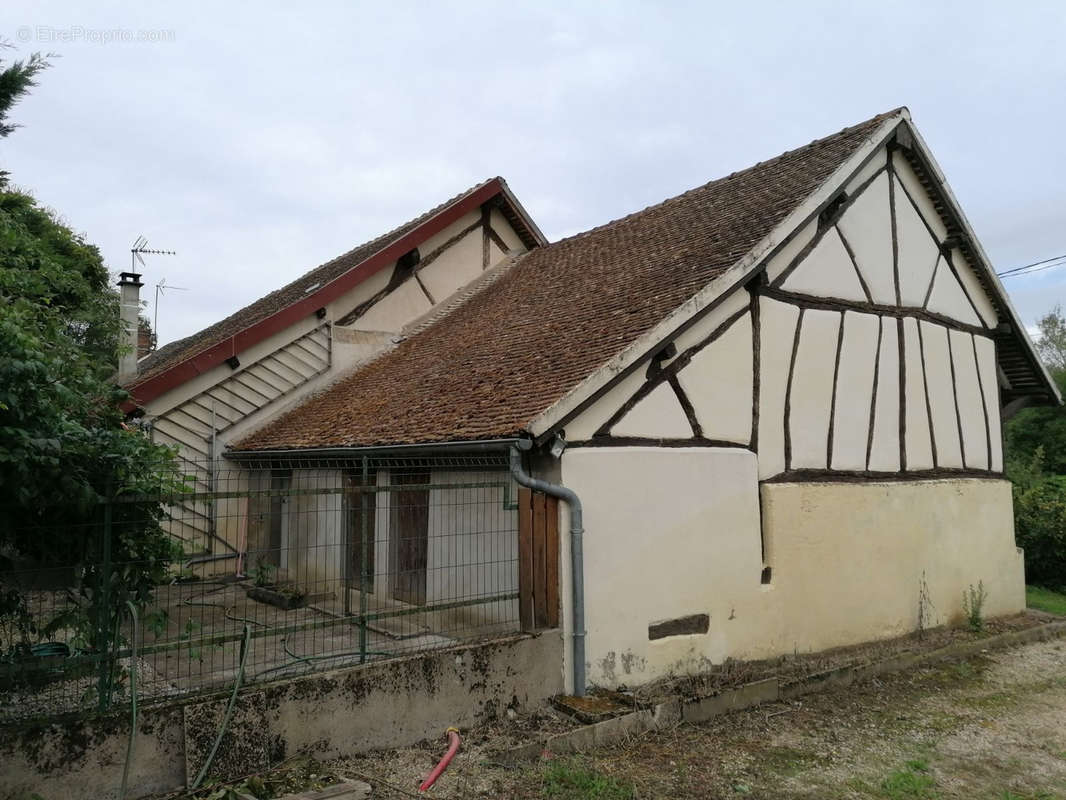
(409, 537)
(538, 560)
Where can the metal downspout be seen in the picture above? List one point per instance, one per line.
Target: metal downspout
(577, 556)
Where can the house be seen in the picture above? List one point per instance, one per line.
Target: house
(209, 389)
(776, 396)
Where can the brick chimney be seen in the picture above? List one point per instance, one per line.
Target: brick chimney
(129, 287)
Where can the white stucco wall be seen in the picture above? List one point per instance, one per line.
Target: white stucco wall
(674, 532)
(827, 271)
(778, 330)
(868, 228)
(811, 393)
(718, 383)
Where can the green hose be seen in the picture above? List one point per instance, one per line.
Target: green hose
(229, 708)
(133, 695)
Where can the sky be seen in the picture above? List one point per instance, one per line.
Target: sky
(260, 140)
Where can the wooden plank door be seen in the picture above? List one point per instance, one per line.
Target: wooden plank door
(538, 560)
(409, 537)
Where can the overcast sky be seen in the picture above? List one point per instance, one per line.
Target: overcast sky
(259, 141)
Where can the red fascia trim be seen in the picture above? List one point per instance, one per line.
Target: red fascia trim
(305, 306)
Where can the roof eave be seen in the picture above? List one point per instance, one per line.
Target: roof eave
(394, 450)
(984, 263)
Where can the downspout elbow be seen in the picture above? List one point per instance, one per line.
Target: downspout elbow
(577, 557)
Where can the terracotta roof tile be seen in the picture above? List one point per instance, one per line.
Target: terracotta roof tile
(519, 345)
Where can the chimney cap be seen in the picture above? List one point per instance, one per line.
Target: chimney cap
(129, 279)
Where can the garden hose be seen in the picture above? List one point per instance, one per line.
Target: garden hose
(133, 702)
(298, 659)
(245, 647)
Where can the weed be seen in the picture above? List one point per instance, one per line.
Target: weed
(973, 602)
(571, 780)
(263, 573)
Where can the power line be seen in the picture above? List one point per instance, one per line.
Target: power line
(1036, 266)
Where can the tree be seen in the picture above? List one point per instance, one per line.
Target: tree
(64, 443)
(1036, 465)
(16, 80)
(1051, 342)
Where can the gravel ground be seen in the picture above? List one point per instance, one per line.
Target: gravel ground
(990, 727)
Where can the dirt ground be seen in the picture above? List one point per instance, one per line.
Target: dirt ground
(990, 727)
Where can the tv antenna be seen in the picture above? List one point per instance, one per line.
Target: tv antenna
(140, 248)
(160, 288)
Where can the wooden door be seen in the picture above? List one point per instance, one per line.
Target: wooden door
(360, 516)
(409, 536)
(538, 560)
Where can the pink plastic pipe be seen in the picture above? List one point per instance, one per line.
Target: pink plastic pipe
(453, 748)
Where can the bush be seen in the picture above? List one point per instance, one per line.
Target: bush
(1040, 528)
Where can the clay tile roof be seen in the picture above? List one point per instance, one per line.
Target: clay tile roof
(513, 349)
(174, 353)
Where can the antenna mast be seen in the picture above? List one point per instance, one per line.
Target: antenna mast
(140, 248)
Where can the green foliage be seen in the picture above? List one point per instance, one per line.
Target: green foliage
(571, 780)
(973, 603)
(16, 80)
(1036, 464)
(64, 446)
(1045, 600)
(1040, 519)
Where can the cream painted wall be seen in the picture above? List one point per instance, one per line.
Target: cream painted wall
(918, 252)
(454, 268)
(986, 362)
(971, 401)
(780, 262)
(668, 532)
(811, 393)
(854, 391)
(918, 437)
(718, 383)
(938, 376)
(867, 227)
(403, 304)
(585, 424)
(827, 271)
(847, 559)
(657, 416)
(949, 299)
(778, 330)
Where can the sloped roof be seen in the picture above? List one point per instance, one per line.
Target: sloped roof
(313, 289)
(563, 311)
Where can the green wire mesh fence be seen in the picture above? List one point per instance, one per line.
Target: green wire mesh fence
(332, 562)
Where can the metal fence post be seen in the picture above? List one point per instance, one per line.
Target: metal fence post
(103, 628)
(364, 567)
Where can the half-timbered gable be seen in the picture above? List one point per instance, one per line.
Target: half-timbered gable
(777, 396)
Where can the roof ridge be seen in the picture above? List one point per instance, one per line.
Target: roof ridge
(738, 173)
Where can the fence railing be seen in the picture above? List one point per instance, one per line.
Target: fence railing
(306, 565)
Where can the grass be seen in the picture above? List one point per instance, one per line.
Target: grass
(1045, 600)
(911, 781)
(572, 780)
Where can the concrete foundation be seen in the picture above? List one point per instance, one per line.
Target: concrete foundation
(388, 704)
